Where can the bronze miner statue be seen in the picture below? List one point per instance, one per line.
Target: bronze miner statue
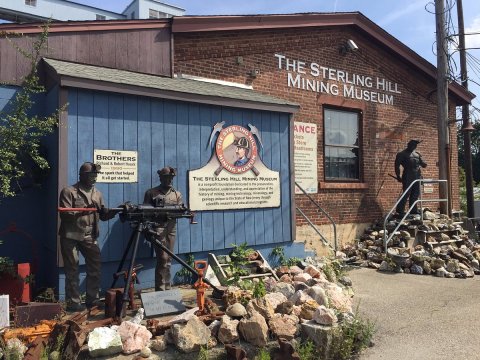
(411, 162)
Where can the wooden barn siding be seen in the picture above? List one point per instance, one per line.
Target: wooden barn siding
(176, 134)
(145, 51)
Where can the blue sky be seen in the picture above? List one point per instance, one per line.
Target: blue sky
(410, 21)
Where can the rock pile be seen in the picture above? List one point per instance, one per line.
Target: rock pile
(436, 246)
(302, 297)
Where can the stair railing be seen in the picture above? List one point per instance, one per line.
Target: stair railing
(322, 238)
(386, 239)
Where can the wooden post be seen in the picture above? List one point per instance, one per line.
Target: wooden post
(442, 102)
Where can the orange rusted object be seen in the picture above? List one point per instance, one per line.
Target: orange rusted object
(29, 334)
(200, 267)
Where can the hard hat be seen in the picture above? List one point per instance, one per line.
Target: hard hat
(89, 167)
(166, 171)
(242, 143)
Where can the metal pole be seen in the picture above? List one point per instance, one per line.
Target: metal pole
(442, 98)
(466, 126)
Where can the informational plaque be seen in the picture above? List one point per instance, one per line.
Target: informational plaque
(305, 157)
(162, 302)
(235, 177)
(118, 166)
(4, 311)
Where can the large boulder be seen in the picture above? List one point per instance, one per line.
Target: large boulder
(321, 335)
(254, 329)
(188, 338)
(284, 326)
(227, 333)
(275, 299)
(262, 306)
(285, 288)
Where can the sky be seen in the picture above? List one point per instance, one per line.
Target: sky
(410, 21)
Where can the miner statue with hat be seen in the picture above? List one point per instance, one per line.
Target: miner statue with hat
(165, 229)
(79, 231)
(411, 162)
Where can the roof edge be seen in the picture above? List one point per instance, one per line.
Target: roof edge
(186, 24)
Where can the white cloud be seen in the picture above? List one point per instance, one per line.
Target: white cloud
(401, 13)
(473, 41)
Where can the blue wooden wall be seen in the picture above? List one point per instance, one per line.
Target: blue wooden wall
(176, 134)
(33, 211)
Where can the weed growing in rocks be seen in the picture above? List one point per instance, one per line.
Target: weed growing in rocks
(263, 354)
(259, 290)
(53, 351)
(351, 337)
(203, 353)
(184, 275)
(306, 350)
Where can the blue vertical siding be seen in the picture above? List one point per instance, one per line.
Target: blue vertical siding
(176, 134)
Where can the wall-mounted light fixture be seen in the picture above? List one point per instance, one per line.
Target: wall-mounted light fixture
(349, 46)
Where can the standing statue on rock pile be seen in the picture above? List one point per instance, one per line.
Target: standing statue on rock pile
(411, 162)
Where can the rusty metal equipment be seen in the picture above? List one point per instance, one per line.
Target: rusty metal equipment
(29, 334)
(200, 286)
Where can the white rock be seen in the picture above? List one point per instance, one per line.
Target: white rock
(104, 341)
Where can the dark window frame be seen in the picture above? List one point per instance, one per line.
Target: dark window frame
(100, 17)
(32, 3)
(359, 114)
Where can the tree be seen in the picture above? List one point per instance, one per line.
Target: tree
(20, 131)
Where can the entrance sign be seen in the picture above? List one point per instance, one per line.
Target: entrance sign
(305, 157)
(118, 166)
(337, 82)
(235, 177)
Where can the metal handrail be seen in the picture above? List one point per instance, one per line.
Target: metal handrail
(325, 241)
(420, 200)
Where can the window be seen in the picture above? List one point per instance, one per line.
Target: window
(155, 14)
(132, 15)
(100, 17)
(342, 151)
(31, 2)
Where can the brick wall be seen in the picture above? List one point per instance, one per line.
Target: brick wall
(386, 129)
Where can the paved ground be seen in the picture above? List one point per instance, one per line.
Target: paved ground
(419, 317)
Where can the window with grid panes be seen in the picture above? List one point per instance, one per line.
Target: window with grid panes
(341, 145)
(31, 2)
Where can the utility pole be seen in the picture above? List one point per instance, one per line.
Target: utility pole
(467, 127)
(442, 103)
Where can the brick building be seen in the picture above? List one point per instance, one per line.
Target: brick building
(146, 86)
(382, 88)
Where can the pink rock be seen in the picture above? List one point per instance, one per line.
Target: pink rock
(338, 300)
(295, 270)
(300, 297)
(134, 337)
(282, 270)
(270, 283)
(296, 310)
(302, 277)
(312, 271)
(286, 279)
(284, 326)
(324, 316)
